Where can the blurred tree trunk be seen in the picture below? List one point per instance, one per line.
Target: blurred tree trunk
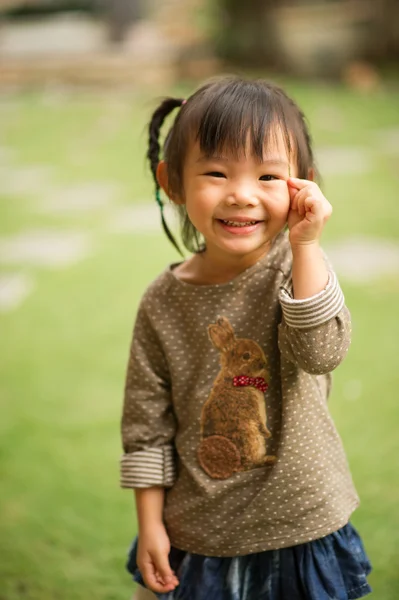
(389, 30)
(120, 14)
(247, 35)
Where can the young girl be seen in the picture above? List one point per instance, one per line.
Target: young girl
(242, 486)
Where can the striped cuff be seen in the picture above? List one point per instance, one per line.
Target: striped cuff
(148, 468)
(314, 311)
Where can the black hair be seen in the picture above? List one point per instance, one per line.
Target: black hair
(220, 115)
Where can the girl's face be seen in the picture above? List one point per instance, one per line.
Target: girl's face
(238, 204)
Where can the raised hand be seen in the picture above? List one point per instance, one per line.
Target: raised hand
(308, 212)
(153, 560)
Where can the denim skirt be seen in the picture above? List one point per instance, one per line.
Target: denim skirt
(334, 567)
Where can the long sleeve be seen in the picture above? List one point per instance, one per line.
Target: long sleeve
(315, 332)
(148, 421)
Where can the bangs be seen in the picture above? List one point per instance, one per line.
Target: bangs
(238, 116)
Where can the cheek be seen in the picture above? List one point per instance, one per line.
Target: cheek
(201, 199)
(198, 209)
(279, 198)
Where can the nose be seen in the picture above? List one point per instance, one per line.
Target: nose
(242, 194)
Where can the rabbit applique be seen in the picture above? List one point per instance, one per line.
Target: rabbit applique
(233, 419)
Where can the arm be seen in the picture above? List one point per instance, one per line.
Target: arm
(309, 271)
(315, 330)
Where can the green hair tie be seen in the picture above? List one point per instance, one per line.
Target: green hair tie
(164, 224)
(158, 198)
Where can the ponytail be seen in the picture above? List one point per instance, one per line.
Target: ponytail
(154, 149)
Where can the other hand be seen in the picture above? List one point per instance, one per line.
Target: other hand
(153, 560)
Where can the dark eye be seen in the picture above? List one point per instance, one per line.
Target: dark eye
(246, 356)
(267, 178)
(215, 174)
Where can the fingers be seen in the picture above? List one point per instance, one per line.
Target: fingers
(309, 211)
(305, 201)
(158, 575)
(299, 198)
(297, 183)
(308, 198)
(163, 570)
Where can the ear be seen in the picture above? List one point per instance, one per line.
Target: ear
(163, 180)
(311, 174)
(222, 334)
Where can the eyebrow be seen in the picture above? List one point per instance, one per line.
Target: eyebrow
(275, 161)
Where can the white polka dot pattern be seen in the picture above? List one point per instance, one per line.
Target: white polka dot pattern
(308, 492)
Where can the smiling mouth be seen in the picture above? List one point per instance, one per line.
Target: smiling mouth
(239, 223)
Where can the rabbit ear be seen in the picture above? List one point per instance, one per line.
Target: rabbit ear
(222, 334)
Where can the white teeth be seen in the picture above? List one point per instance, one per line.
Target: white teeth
(239, 223)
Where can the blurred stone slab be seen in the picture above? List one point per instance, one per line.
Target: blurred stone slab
(338, 160)
(64, 34)
(14, 288)
(81, 198)
(7, 156)
(363, 259)
(142, 218)
(29, 180)
(388, 140)
(46, 248)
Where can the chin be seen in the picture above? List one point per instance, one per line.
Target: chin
(241, 250)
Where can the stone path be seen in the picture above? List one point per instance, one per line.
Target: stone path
(362, 259)
(141, 218)
(358, 259)
(48, 248)
(14, 288)
(26, 181)
(76, 199)
(388, 141)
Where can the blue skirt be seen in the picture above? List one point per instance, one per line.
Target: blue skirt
(334, 567)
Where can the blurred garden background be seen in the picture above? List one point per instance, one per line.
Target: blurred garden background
(80, 239)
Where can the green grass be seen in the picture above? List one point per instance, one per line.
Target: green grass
(65, 525)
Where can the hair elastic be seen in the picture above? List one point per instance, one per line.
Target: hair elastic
(164, 225)
(158, 198)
